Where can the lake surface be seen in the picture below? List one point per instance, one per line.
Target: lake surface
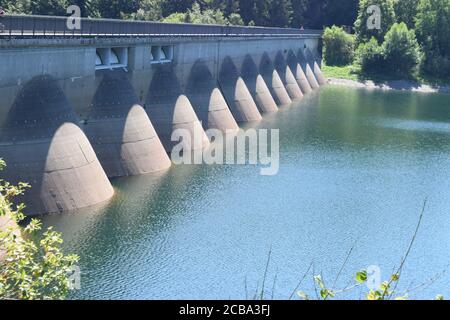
(355, 169)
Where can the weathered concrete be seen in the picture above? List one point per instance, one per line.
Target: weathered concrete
(236, 93)
(257, 86)
(287, 77)
(313, 62)
(274, 82)
(206, 98)
(120, 131)
(170, 109)
(319, 75)
(299, 74)
(305, 64)
(43, 146)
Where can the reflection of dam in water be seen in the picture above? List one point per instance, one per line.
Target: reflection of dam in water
(77, 111)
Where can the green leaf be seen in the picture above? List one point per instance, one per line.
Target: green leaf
(361, 276)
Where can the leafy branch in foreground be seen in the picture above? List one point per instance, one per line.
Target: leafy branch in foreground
(32, 264)
(386, 290)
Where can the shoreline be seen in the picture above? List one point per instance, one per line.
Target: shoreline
(400, 85)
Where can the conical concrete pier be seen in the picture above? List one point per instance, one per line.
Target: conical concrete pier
(43, 146)
(121, 132)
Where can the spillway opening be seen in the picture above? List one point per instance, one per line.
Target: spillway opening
(161, 54)
(111, 58)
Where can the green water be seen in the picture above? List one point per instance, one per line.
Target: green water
(355, 169)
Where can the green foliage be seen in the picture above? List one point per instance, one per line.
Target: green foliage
(204, 16)
(401, 50)
(32, 266)
(176, 18)
(280, 13)
(406, 11)
(361, 276)
(363, 33)
(369, 56)
(289, 13)
(399, 54)
(235, 19)
(386, 290)
(340, 12)
(436, 65)
(149, 10)
(432, 27)
(338, 47)
(340, 72)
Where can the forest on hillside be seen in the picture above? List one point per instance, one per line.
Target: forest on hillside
(413, 34)
(277, 13)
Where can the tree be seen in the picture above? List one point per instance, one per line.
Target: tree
(340, 12)
(387, 19)
(235, 19)
(299, 13)
(149, 10)
(432, 26)
(369, 56)
(406, 11)
(177, 17)
(175, 6)
(32, 266)
(115, 9)
(401, 50)
(338, 47)
(280, 13)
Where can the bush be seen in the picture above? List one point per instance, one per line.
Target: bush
(369, 56)
(436, 66)
(401, 50)
(398, 55)
(338, 47)
(32, 263)
(432, 27)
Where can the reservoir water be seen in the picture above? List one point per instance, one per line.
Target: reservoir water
(355, 169)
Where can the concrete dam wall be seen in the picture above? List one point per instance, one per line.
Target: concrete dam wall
(77, 111)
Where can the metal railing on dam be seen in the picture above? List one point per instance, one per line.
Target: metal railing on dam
(48, 26)
(80, 106)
